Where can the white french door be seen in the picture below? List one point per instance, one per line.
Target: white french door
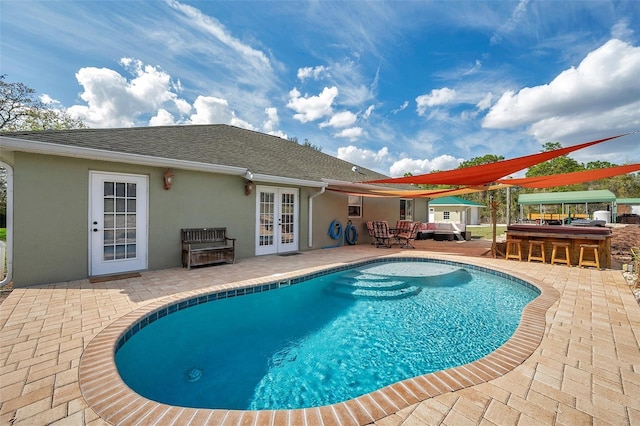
(118, 208)
(277, 220)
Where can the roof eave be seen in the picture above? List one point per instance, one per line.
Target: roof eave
(46, 148)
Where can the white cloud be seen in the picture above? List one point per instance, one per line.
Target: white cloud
(311, 108)
(512, 23)
(312, 72)
(162, 118)
(270, 126)
(214, 28)
(401, 108)
(368, 112)
(352, 133)
(604, 82)
(109, 104)
(435, 98)
(365, 157)
(485, 102)
(272, 121)
(341, 119)
(112, 101)
(212, 110)
(621, 30)
(419, 167)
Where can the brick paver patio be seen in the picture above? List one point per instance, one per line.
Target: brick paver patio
(586, 369)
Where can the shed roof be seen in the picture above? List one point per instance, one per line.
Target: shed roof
(570, 197)
(454, 201)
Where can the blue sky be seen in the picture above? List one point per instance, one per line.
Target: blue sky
(402, 86)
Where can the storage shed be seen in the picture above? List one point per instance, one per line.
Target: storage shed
(454, 209)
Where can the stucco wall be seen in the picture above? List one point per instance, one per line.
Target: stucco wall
(51, 202)
(51, 223)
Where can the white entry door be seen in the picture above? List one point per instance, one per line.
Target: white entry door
(277, 220)
(118, 206)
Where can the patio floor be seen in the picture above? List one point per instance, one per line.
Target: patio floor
(586, 369)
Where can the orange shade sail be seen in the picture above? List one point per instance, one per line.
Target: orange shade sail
(488, 173)
(571, 178)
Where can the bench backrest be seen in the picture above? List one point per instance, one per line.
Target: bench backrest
(203, 235)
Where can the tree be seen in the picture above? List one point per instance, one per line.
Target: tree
(478, 161)
(306, 143)
(20, 109)
(562, 164)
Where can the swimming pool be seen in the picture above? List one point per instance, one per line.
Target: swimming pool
(226, 365)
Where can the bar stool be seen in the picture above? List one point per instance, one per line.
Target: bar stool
(595, 262)
(539, 244)
(510, 253)
(567, 256)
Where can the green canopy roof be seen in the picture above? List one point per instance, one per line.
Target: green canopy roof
(571, 197)
(453, 201)
(628, 201)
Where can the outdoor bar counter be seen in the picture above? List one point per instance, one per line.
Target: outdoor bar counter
(574, 235)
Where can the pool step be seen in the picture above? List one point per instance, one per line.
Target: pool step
(363, 293)
(380, 284)
(352, 286)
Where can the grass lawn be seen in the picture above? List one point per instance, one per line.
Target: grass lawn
(3, 234)
(485, 232)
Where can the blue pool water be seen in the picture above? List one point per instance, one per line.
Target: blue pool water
(325, 340)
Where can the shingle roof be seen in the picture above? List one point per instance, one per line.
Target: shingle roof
(217, 144)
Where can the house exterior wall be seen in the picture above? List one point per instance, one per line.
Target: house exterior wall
(51, 225)
(51, 209)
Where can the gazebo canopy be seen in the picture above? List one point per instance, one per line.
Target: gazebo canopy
(454, 201)
(572, 197)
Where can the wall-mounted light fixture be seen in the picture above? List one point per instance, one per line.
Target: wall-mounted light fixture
(168, 179)
(248, 184)
(248, 187)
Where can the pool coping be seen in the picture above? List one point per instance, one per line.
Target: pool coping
(107, 394)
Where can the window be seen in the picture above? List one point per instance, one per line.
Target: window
(406, 209)
(355, 206)
(446, 215)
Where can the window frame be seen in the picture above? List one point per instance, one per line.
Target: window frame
(403, 211)
(354, 210)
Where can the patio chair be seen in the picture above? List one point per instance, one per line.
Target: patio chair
(402, 226)
(381, 234)
(369, 225)
(405, 238)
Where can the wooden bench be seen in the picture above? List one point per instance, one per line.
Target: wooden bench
(206, 246)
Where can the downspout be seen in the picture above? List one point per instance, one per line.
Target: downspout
(311, 214)
(8, 248)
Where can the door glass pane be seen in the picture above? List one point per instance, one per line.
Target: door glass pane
(120, 251)
(120, 189)
(131, 190)
(109, 237)
(108, 253)
(286, 219)
(119, 234)
(267, 216)
(108, 189)
(108, 205)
